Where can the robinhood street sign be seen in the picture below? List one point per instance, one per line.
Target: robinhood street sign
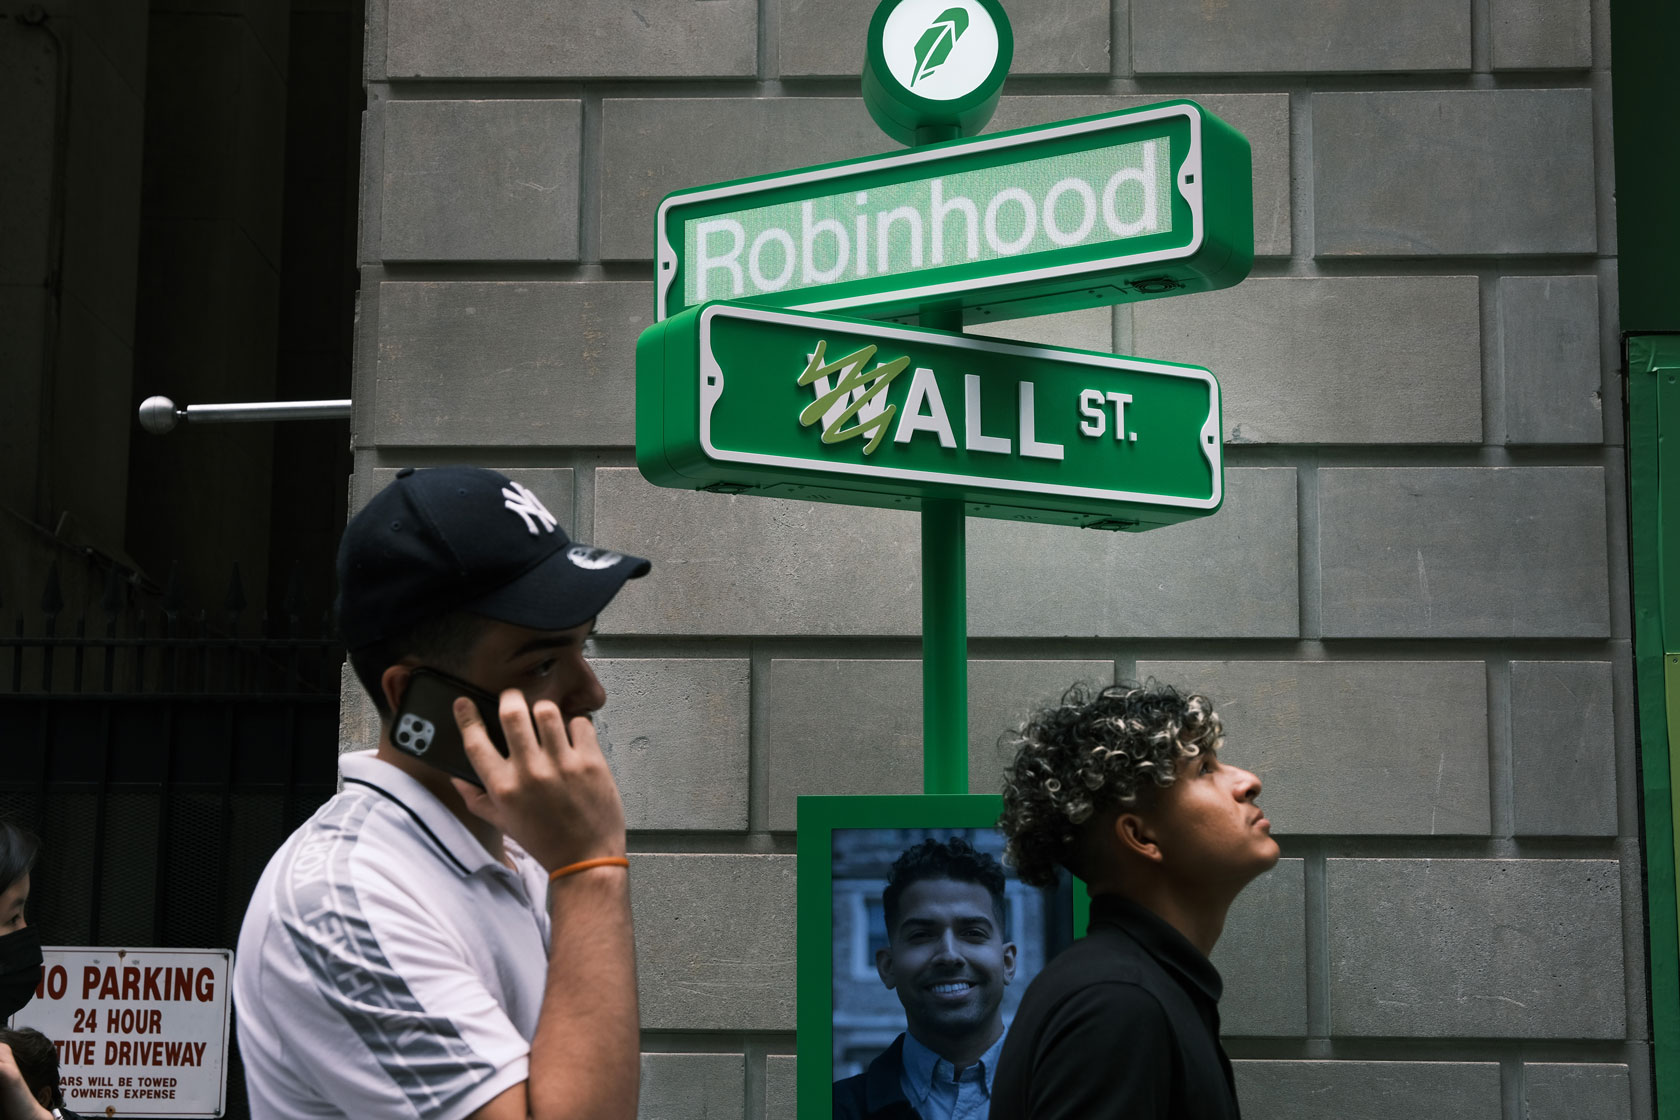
(735, 398)
(1108, 209)
(749, 383)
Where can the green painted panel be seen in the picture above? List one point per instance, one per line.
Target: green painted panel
(1653, 488)
(1645, 100)
(1671, 696)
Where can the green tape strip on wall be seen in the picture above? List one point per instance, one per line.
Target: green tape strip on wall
(1671, 691)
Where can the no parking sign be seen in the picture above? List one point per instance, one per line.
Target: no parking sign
(139, 1032)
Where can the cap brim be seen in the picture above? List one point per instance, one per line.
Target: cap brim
(558, 593)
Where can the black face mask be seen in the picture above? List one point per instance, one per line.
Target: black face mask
(20, 969)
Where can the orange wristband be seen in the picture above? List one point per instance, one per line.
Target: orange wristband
(585, 865)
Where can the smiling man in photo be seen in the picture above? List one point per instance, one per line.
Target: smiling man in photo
(948, 962)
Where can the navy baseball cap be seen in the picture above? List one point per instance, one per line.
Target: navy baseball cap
(467, 539)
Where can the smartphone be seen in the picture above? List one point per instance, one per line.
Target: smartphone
(425, 726)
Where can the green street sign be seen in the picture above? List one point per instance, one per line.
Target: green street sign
(734, 398)
(1108, 209)
(935, 64)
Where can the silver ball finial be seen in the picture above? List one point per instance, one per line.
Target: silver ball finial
(158, 415)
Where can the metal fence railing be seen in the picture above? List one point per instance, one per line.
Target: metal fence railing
(162, 757)
(128, 650)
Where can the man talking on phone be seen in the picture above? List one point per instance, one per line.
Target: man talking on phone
(430, 947)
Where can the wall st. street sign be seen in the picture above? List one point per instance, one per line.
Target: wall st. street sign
(735, 398)
(1108, 209)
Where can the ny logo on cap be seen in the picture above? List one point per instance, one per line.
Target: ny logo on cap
(530, 507)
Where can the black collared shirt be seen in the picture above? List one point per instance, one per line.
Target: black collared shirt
(1123, 1025)
(878, 1092)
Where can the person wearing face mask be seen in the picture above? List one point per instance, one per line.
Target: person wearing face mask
(20, 963)
(20, 945)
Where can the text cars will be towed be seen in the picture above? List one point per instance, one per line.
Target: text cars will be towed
(141, 1032)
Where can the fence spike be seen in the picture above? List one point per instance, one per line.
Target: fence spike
(116, 593)
(174, 594)
(52, 596)
(234, 602)
(293, 603)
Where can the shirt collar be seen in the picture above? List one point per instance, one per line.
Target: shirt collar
(922, 1067)
(1161, 941)
(448, 835)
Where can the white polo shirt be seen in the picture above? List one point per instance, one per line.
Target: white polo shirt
(388, 966)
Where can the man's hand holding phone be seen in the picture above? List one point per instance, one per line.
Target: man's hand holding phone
(554, 793)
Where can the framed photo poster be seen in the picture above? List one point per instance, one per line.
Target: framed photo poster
(910, 924)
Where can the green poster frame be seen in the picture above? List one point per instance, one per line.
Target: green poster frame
(1645, 99)
(818, 818)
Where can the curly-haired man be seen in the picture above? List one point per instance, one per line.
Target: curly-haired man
(1124, 787)
(948, 962)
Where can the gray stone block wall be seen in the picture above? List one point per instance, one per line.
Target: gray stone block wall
(1577, 1091)
(1562, 751)
(1541, 34)
(676, 737)
(1506, 171)
(507, 363)
(1234, 574)
(692, 1087)
(1313, 382)
(1323, 737)
(1316, 1090)
(714, 941)
(1483, 923)
(1262, 957)
(1455, 552)
(1411, 609)
(1279, 37)
(1548, 347)
(534, 39)
(824, 38)
(481, 180)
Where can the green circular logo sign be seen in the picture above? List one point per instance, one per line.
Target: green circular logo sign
(935, 67)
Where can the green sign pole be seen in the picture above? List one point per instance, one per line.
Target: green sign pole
(944, 579)
(944, 627)
(944, 524)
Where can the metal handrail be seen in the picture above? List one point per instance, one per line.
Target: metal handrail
(159, 416)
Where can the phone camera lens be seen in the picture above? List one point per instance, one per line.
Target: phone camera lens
(403, 737)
